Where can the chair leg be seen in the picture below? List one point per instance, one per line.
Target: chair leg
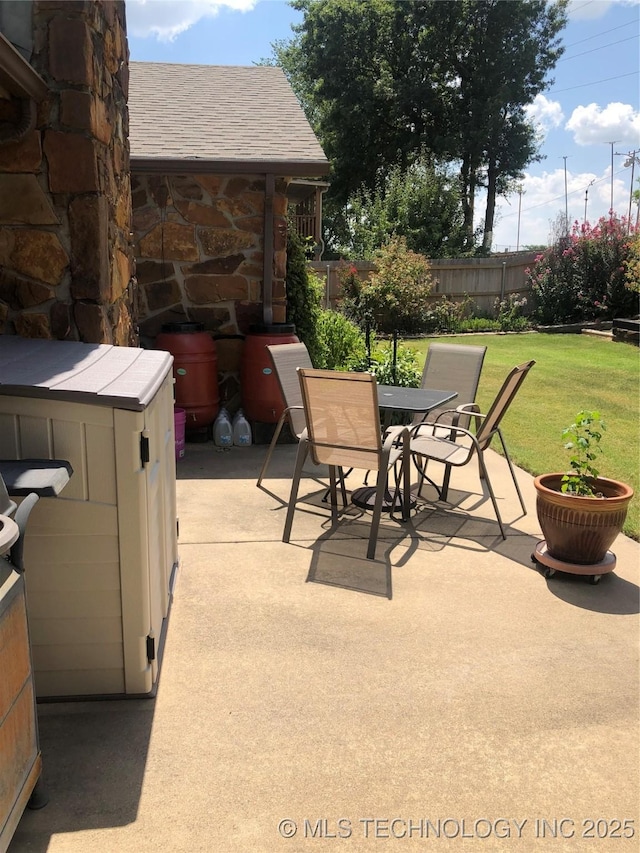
(422, 471)
(274, 441)
(444, 490)
(334, 493)
(491, 493)
(343, 488)
(381, 487)
(513, 473)
(303, 449)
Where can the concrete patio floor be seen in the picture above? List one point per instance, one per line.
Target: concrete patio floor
(445, 696)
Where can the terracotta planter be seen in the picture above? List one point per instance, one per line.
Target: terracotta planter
(580, 529)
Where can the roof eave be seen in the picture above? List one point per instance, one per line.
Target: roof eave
(17, 76)
(280, 168)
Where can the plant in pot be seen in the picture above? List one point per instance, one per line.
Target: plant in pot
(580, 512)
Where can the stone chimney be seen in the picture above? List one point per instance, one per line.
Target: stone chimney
(66, 257)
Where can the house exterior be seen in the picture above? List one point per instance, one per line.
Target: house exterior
(116, 218)
(214, 150)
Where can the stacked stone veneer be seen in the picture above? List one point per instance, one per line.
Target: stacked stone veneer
(66, 259)
(199, 244)
(200, 250)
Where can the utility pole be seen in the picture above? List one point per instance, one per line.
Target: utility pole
(520, 192)
(611, 206)
(586, 196)
(566, 199)
(632, 159)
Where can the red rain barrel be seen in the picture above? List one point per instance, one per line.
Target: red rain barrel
(195, 369)
(261, 396)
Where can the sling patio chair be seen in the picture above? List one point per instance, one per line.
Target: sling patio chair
(286, 359)
(343, 431)
(457, 367)
(454, 445)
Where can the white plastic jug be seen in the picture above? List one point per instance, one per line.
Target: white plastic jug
(241, 430)
(222, 429)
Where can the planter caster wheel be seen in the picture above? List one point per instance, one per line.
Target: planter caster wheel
(534, 559)
(549, 572)
(594, 579)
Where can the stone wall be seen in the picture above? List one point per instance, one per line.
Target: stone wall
(66, 259)
(199, 245)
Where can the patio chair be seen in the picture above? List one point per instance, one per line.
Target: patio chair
(455, 367)
(286, 359)
(454, 445)
(343, 431)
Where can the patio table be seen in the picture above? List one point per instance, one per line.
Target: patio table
(395, 398)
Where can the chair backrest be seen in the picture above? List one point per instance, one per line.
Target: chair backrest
(343, 420)
(501, 403)
(453, 367)
(287, 358)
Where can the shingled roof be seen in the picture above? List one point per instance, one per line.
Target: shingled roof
(219, 118)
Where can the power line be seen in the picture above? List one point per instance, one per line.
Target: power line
(559, 197)
(594, 83)
(602, 47)
(603, 33)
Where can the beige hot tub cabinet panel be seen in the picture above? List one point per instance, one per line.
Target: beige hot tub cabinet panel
(99, 558)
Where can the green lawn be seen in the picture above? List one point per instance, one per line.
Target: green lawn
(572, 373)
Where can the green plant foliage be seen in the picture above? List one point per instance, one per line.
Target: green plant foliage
(304, 295)
(582, 439)
(509, 313)
(582, 276)
(448, 315)
(342, 343)
(632, 265)
(395, 297)
(382, 81)
(404, 371)
(420, 203)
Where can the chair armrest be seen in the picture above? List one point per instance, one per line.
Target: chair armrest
(448, 432)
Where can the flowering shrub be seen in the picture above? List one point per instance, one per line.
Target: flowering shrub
(395, 297)
(582, 276)
(509, 313)
(447, 315)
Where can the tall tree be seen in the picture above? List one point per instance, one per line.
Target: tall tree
(384, 80)
(496, 56)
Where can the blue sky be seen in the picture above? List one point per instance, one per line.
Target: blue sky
(593, 102)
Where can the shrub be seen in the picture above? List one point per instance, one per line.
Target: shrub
(342, 343)
(446, 315)
(395, 297)
(509, 316)
(582, 276)
(632, 265)
(405, 371)
(479, 324)
(304, 295)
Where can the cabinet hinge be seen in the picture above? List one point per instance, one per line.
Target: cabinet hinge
(151, 648)
(144, 447)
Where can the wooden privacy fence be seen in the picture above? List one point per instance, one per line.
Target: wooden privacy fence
(482, 279)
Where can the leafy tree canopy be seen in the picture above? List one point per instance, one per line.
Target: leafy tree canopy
(383, 81)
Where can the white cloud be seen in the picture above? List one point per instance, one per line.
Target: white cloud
(543, 201)
(544, 114)
(166, 19)
(583, 10)
(592, 125)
